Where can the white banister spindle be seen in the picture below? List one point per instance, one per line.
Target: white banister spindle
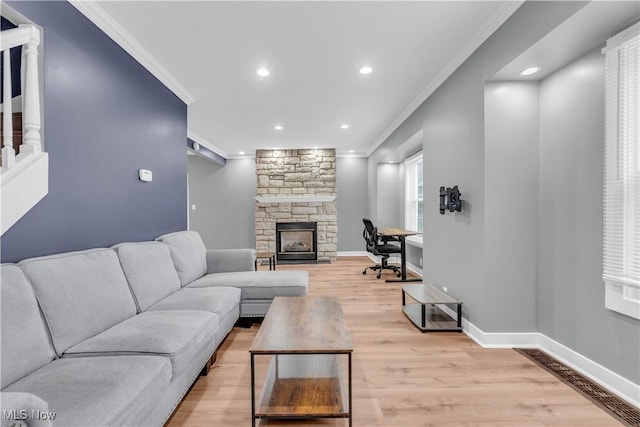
(31, 142)
(8, 154)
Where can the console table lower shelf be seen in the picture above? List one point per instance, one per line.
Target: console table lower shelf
(426, 314)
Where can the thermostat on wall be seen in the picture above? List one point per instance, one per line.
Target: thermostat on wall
(145, 175)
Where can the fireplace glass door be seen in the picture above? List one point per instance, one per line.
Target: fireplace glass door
(296, 242)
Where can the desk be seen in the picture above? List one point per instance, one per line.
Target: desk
(401, 234)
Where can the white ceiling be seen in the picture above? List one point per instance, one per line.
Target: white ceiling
(210, 51)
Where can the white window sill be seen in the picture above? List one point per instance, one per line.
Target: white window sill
(414, 241)
(622, 299)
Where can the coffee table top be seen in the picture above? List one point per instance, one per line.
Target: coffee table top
(303, 325)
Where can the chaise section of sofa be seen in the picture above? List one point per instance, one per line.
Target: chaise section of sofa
(202, 269)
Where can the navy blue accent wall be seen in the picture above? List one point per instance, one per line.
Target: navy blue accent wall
(105, 118)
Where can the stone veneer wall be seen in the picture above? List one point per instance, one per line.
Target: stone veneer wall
(303, 174)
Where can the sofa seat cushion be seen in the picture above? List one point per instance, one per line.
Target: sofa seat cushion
(173, 334)
(99, 391)
(149, 270)
(25, 340)
(223, 301)
(259, 285)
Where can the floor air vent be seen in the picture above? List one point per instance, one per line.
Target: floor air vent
(618, 408)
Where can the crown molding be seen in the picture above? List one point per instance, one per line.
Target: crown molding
(498, 18)
(200, 140)
(118, 34)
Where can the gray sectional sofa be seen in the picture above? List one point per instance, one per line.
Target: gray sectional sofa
(116, 336)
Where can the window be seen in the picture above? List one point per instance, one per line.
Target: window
(414, 210)
(621, 271)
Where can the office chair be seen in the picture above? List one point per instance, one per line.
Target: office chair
(379, 247)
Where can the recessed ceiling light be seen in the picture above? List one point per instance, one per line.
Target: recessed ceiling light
(352, 151)
(391, 161)
(241, 153)
(263, 72)
(366, 70)
(278, 127)
(345, 126)
(529, 71)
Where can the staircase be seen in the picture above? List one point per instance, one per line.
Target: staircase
(24, 176)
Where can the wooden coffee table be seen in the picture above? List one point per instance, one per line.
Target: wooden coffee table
(308, 368)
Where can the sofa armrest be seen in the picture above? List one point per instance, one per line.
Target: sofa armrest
(228, 260)
(24, 409)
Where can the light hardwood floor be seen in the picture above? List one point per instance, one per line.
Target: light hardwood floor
(401, 377)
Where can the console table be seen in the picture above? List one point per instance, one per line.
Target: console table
(303, 350)
(425, 314)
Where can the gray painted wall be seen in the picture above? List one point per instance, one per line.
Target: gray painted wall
(351, 190)
(571, 292)
(511, 205)
(224, 199)
(459, 249)
(452, 120)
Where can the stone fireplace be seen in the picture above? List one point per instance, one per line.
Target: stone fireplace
(296, 186)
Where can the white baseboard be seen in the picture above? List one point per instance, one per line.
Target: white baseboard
(608, 379)
(353, 253)
(414, 269)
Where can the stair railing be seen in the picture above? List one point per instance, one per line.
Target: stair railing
(27, 36)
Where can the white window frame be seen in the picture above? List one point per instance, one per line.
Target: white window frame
(621, 265)
(411, 199)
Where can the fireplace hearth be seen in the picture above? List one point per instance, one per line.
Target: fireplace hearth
(296, 242)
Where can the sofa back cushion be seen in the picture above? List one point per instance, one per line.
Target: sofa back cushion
(81, 294)
(188, 253)
(149, 269)
(26, 345)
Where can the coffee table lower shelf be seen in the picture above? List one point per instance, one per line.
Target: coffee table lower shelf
(303, 398)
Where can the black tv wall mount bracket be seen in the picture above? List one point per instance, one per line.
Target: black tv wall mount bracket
(450, 199)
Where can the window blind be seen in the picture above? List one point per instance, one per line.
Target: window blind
(622, 170)
(413, 193)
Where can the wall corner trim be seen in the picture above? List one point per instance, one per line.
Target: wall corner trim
(126, 41)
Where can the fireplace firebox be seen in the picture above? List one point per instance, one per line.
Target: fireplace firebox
(296, 242)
